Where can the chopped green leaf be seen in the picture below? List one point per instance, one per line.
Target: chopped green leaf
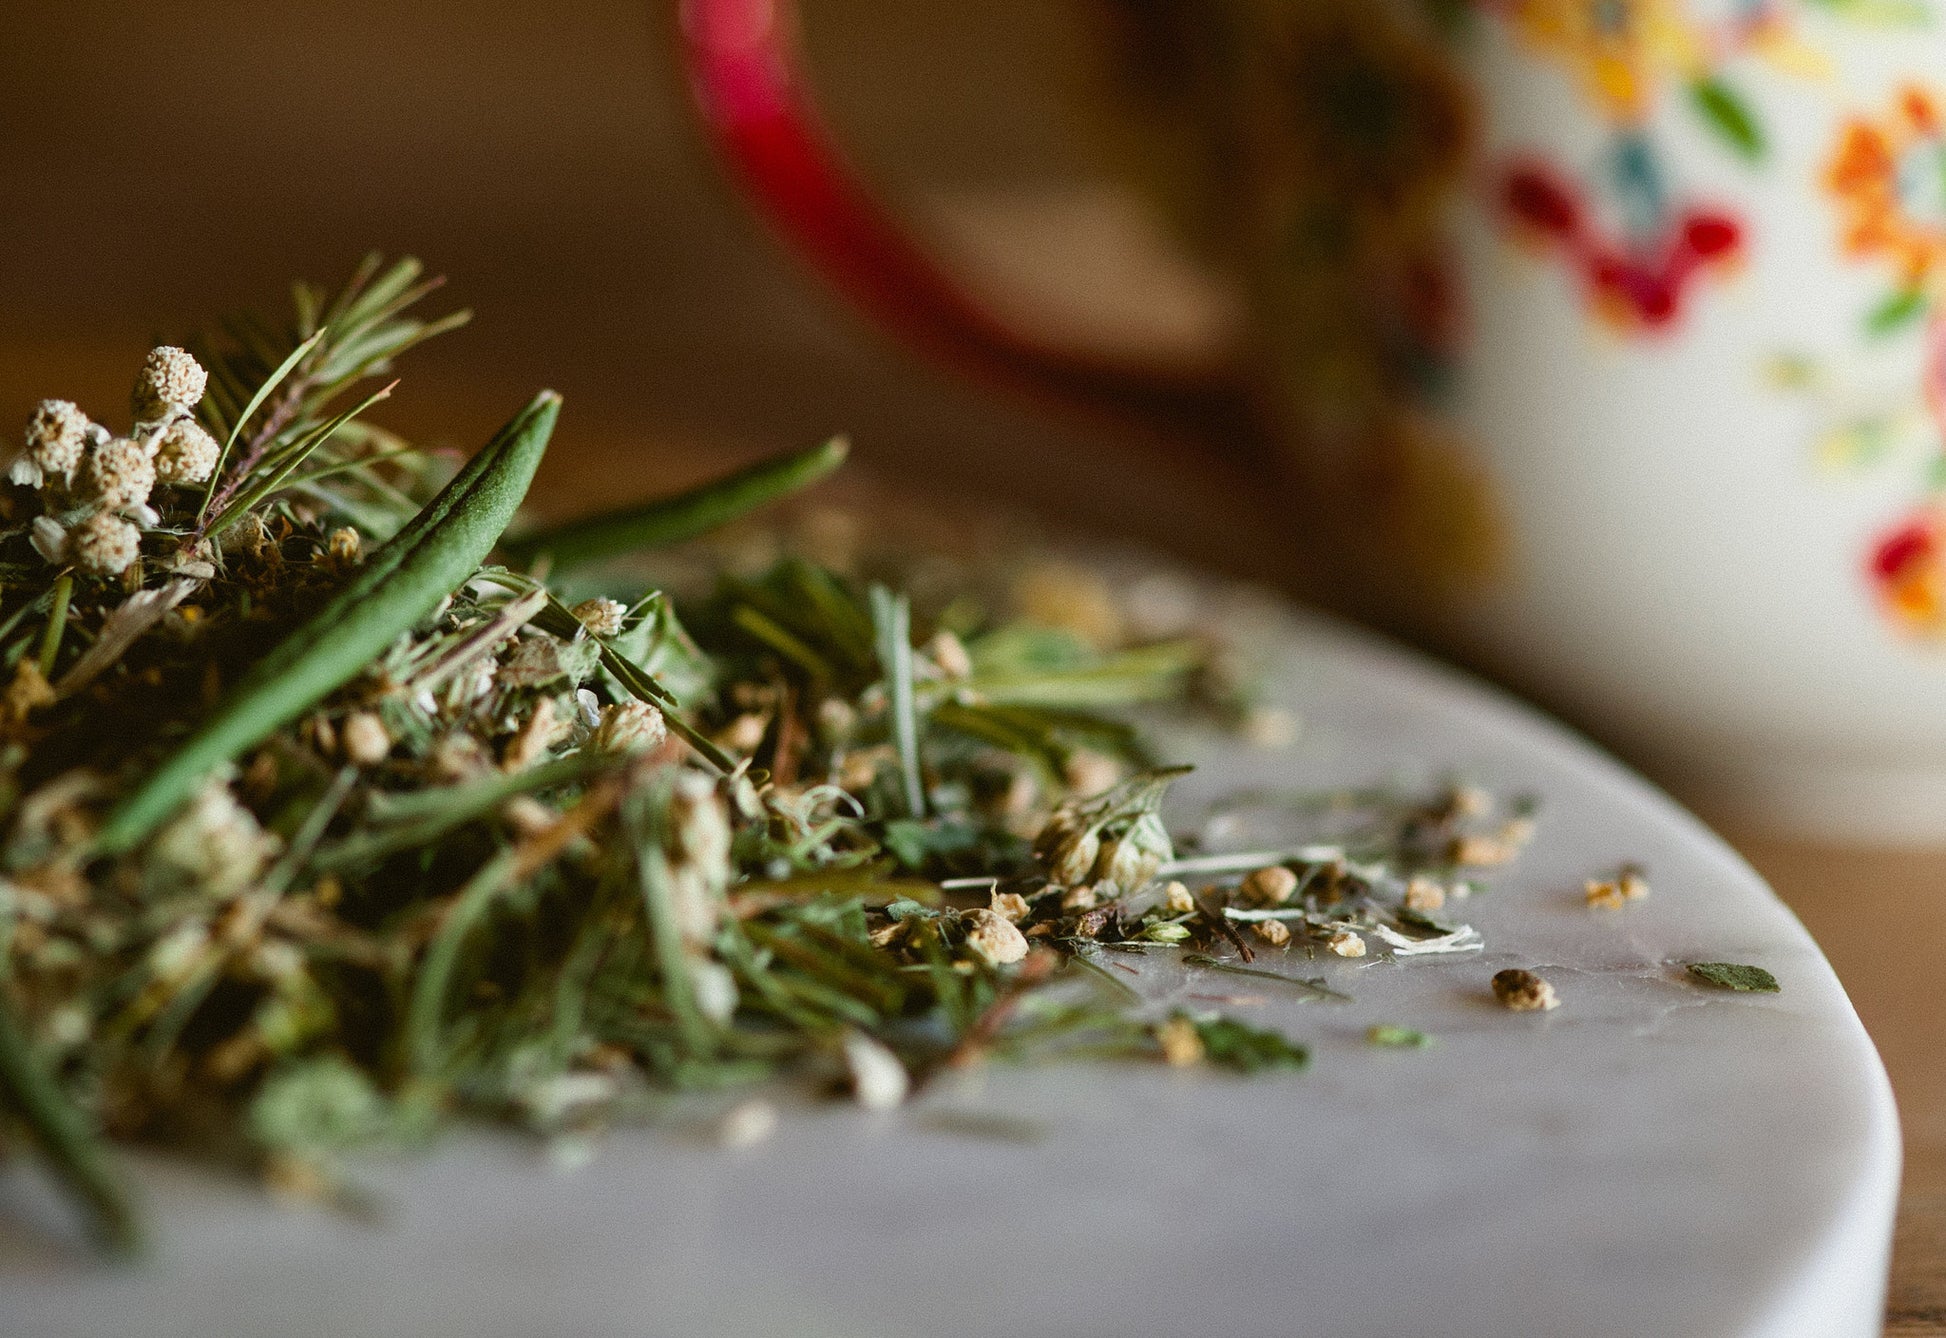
(1247, 1049)
(1396, 1038)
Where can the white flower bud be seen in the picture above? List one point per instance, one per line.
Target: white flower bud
(121, 473)
(56, 435)
(50, 539)
(715, 989)
(992, 937)
(185, 453)
(104, 544)
(948, 652)
(878, 1079)
(602, 617)
(171, 382)
(365, 740)
(629, 727)
(1132, 858)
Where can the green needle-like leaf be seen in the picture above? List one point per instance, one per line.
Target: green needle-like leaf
(402, 582)
(30, 1094)
(670, 520)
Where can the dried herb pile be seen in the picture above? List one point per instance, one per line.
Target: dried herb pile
(329, 811)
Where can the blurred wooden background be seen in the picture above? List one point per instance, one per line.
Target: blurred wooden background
(164, 162)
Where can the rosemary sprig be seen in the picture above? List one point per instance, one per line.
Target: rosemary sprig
(671, 520)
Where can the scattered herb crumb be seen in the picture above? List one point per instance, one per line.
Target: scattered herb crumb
(1610, 894)
(1735, 976)
(1396, 1038)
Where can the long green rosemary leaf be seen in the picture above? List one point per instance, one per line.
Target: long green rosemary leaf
(670, 520)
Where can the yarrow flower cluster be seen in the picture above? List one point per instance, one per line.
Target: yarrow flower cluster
(185, 453)
(95, 487)
(170, 385)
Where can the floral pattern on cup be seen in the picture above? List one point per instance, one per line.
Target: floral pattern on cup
(1887, 181)
(1628, 58)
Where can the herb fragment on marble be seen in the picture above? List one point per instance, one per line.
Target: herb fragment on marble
(1735, 976)
(1388, 1036)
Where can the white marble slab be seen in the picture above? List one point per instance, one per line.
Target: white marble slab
(1650, 1158)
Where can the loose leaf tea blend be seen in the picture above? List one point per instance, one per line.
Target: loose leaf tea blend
(335, 804)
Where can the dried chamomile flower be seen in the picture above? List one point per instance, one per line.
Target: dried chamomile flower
(1077, 899)
(1523, 991)
(1270, 886)
(57, 433)
(121, 474)
(1273, 932)
(992, 937)
(170, 383)
(104, 544)
(185, 453)
(1610, 894)
(602, 617)
(1176, 899)
(1345, 943)
(1009, 905)
(364, 739)
(1424, 895)
(629, 727)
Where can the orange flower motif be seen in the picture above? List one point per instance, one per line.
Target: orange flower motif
(1618, 49)
(1889, 177)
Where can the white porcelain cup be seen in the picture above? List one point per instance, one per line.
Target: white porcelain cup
(1606, 336)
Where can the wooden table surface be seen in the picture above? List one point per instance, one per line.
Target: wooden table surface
(542, 157)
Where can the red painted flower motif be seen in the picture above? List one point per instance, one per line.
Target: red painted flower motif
(1908, 571)
(1636, 288)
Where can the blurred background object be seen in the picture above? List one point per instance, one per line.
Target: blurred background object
(166, 162)
(547, 161)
